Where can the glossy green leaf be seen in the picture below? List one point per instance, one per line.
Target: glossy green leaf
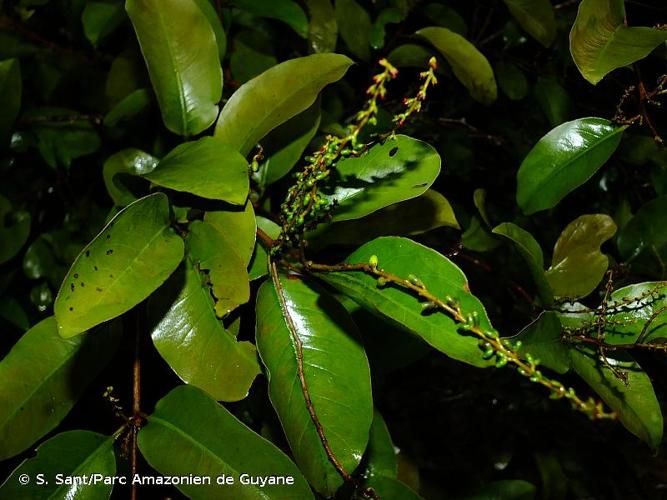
(14, 230)
(129, 107)
(72, 454)
(470, 66)
(398, 170)
(223, 245)
(536, 17)
(563, 160)
(531, 252)
(354, 27)
(380, 456)
(312, 352)
(322, 28)
(633, 400)
(132, 256)
(601, 41)
(192, 340)
(189, 433)
(642, 241)
(42, 377)
(122, 166)
(286, 11)
(440, 276)
(578, 265)
(205, 167)
(211, 14)
(512, 81)
(285, 145)
(554, 100)
(259, 264)
(181, 52)
(543, 340)
(10, 97)
(275, 96)
(416, 216)
(100, 19)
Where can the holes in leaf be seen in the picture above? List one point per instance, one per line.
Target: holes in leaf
(393, 151)
(109, 252)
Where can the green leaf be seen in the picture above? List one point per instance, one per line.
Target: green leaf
(563, 160)
(259, 263)
(220, 38)
(191, 339)
(42, 377)
(317, 371)
(416, 216)
(122, 166)
(380, 455)
(470, 66)
(189, 433)
(477, 238)
(323, 28)
(181, 52)
(554, 100)
(286, 11)
(275, 96)
(440, 276)
(512, 81)
(386, 16)
(536, 17)
(409, 56)
(14, 230)
(100, 19)
(578, 265)
(130, 106)
(132, 256)
(252, 55)
(531, 252)
(71, 453)
(284, 146)
(205, 167)
(634, 402)
(398, 170)
(641, 243)
(10, 97)
(543, 340)
(354, 27)
(445, 17)
(600, 40)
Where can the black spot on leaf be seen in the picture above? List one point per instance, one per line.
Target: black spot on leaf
(393, 151)
(109, 252)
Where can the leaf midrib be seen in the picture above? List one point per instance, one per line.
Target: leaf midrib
(88, 459)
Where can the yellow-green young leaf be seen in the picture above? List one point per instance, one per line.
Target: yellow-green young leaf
(10, 97)
(71, 453)
(470, 66)
(275, 96)
(42, 377)
(600, 41)
(563, 160)
(286, 11)
(132, 256)
(416, 216)
(441, 277)
(120, 166)
(189, 433)
(206, 168)
(634, 402)
(319, 379)
(181, 52)
(194, 343)
(354, 27)
(399, 169)
(536, 17)
(578, 265)
(322, 29)
(531, 252)
(14, 230)
(238, 227)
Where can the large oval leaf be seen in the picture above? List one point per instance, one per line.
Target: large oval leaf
(72, 453)
(275, 96)
(319, 379)
(181, 52)
(194, 343)
(578, 265)
(442, 277)
(563, 160)
(132, 256)
(397, 170)
(536, 17)
(42, 377)
(189, 433)
(206, 168)
(600, 41)
(470, 66)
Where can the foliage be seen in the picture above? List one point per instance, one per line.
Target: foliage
(310, 241)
